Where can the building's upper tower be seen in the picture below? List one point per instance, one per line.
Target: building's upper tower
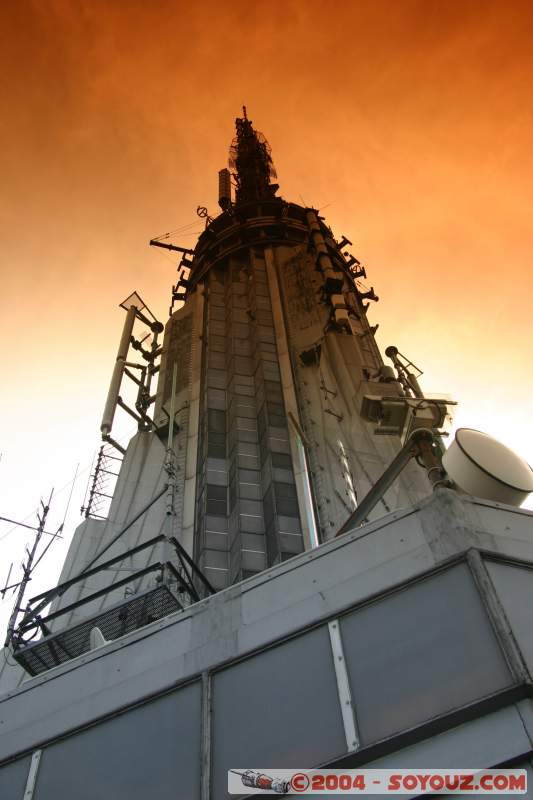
(251, 162)
(276, 357)
(275, 386)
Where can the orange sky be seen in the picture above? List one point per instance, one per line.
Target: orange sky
(409, 122)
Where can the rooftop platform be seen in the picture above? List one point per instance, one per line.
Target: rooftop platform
(407, 642)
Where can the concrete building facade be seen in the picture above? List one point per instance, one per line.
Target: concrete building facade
(404, 642)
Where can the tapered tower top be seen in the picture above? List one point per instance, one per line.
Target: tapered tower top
(251, 164)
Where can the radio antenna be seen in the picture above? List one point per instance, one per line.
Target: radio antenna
(28, 566)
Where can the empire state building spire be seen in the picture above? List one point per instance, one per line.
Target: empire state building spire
(251, 163)
(275, 384)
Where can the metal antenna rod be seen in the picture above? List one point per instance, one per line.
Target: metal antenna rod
(166, 246)
(70, 497)
(23, 525)
(27, 568)
(405, 375)
(7, 586)
(170, 465)
(144, 393)
(170, 462)
(61, 527)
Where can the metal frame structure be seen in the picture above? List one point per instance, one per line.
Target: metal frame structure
(189, 581)
(422, 445)
(134, 307)
(99, 487)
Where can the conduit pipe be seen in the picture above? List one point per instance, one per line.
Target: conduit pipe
(422, 445)
(118, 371)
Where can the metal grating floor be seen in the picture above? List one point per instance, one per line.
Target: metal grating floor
(114, 622)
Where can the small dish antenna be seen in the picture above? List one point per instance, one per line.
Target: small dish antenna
(484, 467)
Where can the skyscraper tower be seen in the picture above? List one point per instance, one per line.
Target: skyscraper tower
(179, 651)
(276, 355)
(270, 397)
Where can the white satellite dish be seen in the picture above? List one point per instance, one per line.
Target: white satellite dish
(484, 467)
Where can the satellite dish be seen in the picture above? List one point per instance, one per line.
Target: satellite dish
(484, 467)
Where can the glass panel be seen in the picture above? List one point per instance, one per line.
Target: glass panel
(278, 708)
(241, 347)
(217, 378)
(281, 460)
(253, 561)
(216, 541)
(151, 751)
(217, 343)
(262, 302)
(216, 464)
(261, 288)
(419, 653)
(242, 390)
(217, 300)
(239, 301)
(287, 506)
(252, 523)
(289, 524)
(254, 507)
(253, 541)
(217, 438)
(216, 360)
(216, 398)
(218, 477)
(284, 490)
(216, 450)
(247, 462)
(240, 330)
(216, 507)
(216, 313)
(273, 391)
(248, 449)
(240, 315)
(216, 523)
(515, 588)
(246, 423)
(242, 410)
(265, 347)
(243, 365)
(264, 316)
(249, 475)
(216, 283)
(218, 578)
(291, 542)
(284, 475)
(217, 327)
(250, 491)
(13, 779)
(278, 445)
(215, 559)
(216, 420)
(270, 371)
(247, 436)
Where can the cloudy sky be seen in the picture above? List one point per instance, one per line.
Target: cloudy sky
(409, 122)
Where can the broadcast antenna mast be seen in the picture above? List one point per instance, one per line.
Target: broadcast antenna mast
(28, 567)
